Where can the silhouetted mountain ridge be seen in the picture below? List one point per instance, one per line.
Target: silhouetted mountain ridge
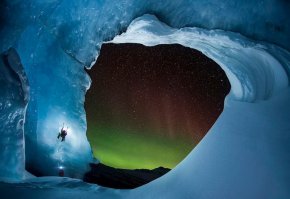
(107, 176)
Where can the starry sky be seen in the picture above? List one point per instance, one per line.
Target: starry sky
(157, 100)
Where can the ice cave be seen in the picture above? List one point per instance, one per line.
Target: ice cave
(46, 46)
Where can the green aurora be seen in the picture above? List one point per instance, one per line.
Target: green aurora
(149, 106)
(122, 148)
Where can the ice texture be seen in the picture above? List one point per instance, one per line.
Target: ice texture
(247, 150)
(244, 155)
(14, 95)
(254, 73)
(58, 85)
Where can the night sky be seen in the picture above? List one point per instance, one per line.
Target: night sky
(157, 100)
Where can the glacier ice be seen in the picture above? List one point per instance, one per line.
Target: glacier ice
(57, 100)
(244, 155)
(253, 72)
(14, 97)
(248, 146)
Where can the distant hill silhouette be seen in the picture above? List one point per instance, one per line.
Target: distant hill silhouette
(107, 176)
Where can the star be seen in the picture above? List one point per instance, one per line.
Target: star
(167, 91)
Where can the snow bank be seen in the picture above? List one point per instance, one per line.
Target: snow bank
(246, 151)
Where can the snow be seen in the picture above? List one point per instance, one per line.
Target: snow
(56, 188)
(238, 158)
(253, 72)
(244, 155)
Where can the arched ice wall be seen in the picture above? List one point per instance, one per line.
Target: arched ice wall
(254, 73)
(57, 38)
(245, 154)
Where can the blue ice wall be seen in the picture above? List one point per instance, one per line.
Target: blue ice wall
(57, 100)
(88, 23)
(14, 96)
(56, 39)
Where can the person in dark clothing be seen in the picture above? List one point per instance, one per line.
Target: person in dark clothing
(62, 134)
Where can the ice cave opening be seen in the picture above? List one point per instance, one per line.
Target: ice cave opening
(148, 107)
(244, 155)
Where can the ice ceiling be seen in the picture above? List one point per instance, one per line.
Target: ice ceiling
(244, 155)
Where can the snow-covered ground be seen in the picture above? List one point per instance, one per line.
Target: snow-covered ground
(56, 188)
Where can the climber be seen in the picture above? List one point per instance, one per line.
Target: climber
(62, 133)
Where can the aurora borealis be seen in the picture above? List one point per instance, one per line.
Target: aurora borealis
(149, 106)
